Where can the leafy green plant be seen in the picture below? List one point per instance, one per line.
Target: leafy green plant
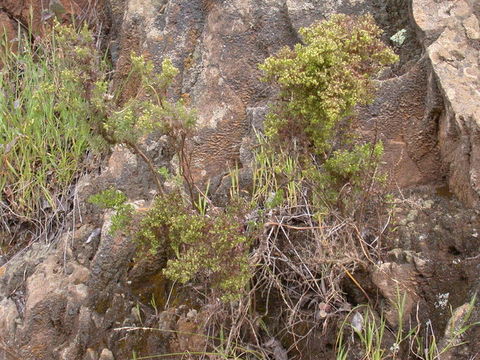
(115, 200)
(147, 111)
(322, 79)
(211, 247)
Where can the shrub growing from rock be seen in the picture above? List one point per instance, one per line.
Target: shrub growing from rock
(323, 78)
(210, 246)
(320, 81)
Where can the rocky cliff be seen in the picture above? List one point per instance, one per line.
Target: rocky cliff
(451, 39)
(217, 45)
(70, 299)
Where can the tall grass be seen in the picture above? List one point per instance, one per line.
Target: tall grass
(44, 112)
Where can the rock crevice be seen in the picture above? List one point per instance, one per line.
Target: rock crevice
(451, 34)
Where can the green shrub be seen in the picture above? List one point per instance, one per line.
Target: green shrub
(322, 79)
(357, 167)
(347, 165)
(148, 111)
(211, 245)
(109, 199)
(213, 248)
(210, 248)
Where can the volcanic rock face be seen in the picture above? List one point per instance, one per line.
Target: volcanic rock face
(425, 111)
(64, 302)
(451, 36)
(217, 45)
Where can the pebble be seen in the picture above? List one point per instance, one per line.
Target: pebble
(106, 355)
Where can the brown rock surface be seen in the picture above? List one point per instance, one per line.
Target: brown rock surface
(450, 34)
(8, 31)
(405, 116)
(63, 302)
(393, 281)
(218, 46)
(436, 240)
(7, 25)
(36, 12)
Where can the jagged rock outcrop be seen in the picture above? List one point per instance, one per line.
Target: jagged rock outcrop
(218, 46)
(64, 301)
(450, 33)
